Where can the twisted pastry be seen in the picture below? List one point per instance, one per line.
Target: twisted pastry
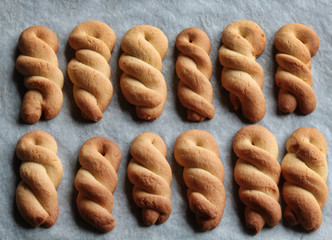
(243, 41)
(42, 76)
(41, 173)
(194, 68)
(142, 82)
(297, 44)
(89, 71)
(96, 181)
(203, 174)
(151, 175)
(257, 171)
(304, 169)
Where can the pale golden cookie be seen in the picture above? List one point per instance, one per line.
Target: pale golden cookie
(257, 172)
(194, 68)
(203, 173)
(304, 169)
(297, 44)
(96, 182)
(41, 172)
(142, 82)
(151, 175)
(89, 70)
(42, 77)
(243, 41)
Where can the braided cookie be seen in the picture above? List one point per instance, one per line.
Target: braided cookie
(257, 171)
(96, 181)
(42, 77)
(89, 71)
(297, 44)
(243, 41)
(41, 173)
(142, 82)
(151, 175)
(194, 68)
(304, 169)
(198, 152)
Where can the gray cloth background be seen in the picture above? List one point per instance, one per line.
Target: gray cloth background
(121, 124)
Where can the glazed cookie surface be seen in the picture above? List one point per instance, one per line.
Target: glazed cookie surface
(297, 44)
(89, 70)
(142, 82)
(41, 172)
(243, 41)
(304, 169)
(257, 172)
(42, 77)
(151, 175)
(197, 151)
(96, 182)
(194, 69)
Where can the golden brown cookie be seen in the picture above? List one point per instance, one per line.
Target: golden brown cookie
(194, 68)
(297, 44)
(96, 181)
(142, 82)
(304, 169)
(257, 172)
(42, 77)
(243, 41)
(151, 175)
(89, 70)
(41, 173)
(198, 152)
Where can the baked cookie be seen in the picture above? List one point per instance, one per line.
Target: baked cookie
(194, 68)
(42, 77)
(297, 44)
(198, 152)
(243, 41)
(304, 169)
(96, 181)
(257, 172)
(151, 175)
(142, 82)
(41, 172)
(89, 70)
